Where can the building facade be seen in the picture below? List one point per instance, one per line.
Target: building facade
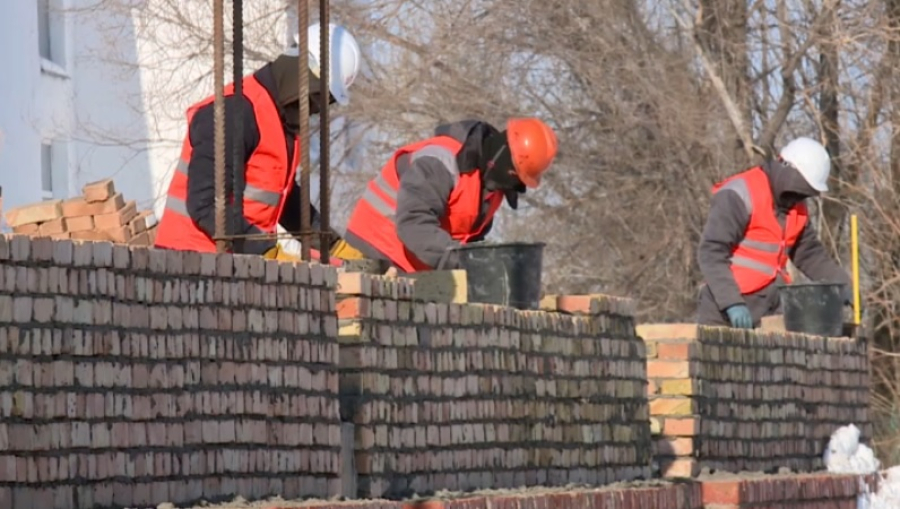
(93, 90)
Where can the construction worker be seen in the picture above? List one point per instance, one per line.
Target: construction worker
(440, 193)
(757, 221)
(271, 110)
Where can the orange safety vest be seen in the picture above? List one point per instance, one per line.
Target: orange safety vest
(269, 176)
(374, 218)
(763, 252)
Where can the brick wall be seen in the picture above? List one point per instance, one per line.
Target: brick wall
(135, 376)
(804, 491)
(735, 400)
(811, 491)
(131, 377)
(459, 397)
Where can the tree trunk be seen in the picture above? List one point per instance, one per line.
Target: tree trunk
(893, 12)
(722, 33)
(834, 211)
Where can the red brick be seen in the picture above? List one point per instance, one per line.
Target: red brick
(721, 492)
(354, 307)
(91, 235)
(674, 351)
(142, 222)
(34, 213)
(668, 369)
(650, 332)
(98, 191)
(27, 229)
(577, 304)
(352, 283)
(681, 427)
(79, 223)
(120, 234)
(53, 227)
(117, 219)
(76, 207)
(428, 504)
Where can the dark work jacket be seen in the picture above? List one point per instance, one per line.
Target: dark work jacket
(202, 184)
(725, 226)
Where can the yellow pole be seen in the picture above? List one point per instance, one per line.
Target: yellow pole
(854, 253)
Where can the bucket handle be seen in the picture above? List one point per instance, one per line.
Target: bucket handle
(443, 259)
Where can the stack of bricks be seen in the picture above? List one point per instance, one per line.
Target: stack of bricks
(131, 377)
(468, 396)
(733, 400)
(100, 214)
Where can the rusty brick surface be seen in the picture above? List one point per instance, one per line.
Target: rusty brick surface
(802, 491)
(639, 496)
(465, 396)
(782, 491)
(751, 400)
(127, 380)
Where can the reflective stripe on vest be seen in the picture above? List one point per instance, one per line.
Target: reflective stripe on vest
(374, 218)
(761, 256)
(385, 208)
(269, 176)
(254, 193)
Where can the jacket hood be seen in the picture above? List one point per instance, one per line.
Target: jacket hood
(285, 74)
(784, 181)
(471, 133)
(476, 136)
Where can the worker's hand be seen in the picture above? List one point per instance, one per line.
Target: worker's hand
(276, 253)
(740, 316)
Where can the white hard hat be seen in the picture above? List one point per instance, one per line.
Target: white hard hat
(811, 159)
(344, 54)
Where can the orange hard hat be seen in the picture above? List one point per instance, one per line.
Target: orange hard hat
(532, 144)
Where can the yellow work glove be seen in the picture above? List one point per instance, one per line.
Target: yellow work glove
(345, 251)
(276, 253)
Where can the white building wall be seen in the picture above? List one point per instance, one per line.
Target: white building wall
(66, 101)
(36, 104)
(114, 101)
(112, 97)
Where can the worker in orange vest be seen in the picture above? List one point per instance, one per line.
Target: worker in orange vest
(440, 193)
(271, 110)
(757, 221)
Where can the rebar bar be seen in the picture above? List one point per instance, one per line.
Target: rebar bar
(324, 129)
(219, 120)
(237, 165)
(303, 50)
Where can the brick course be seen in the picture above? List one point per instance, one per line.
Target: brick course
(464, 396)
(804, 491)
(131, 376)
(734, 400)
(810, 491)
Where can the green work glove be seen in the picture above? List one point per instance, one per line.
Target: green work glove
(740, 316)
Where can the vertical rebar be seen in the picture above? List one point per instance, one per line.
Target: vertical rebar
(324, 128)
(303, 50)
(219, 119)
(237, 209)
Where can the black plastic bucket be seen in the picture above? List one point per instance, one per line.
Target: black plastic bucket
(813, 308)
(505, 274)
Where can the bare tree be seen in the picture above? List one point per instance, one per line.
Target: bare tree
(653, 101)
